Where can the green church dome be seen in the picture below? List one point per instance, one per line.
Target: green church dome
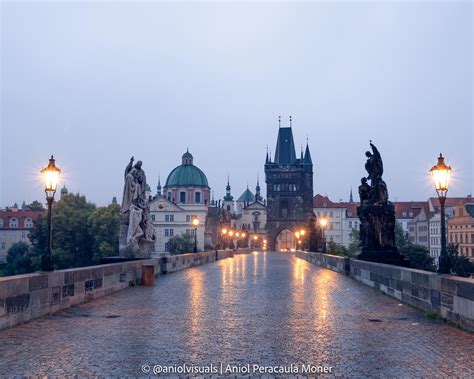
(187, 174)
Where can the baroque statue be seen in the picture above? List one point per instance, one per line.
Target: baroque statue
(137, 235)
(377, 215)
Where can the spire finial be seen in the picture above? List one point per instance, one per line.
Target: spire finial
(290, 121)
(279, 121)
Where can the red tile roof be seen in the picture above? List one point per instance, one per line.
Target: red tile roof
(20, 215)
(450, 201)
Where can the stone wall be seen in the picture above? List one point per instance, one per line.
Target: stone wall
(30, 296)
(451, 297)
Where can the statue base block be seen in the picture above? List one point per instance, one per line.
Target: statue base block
(386, 256)
(142, 249)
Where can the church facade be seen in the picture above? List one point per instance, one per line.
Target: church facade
(289, 191)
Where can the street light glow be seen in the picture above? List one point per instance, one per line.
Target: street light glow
(441, 173)
(323, 222)
(50, 178)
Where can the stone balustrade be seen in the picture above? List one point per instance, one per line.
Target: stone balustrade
(451, 297)
(30, 296)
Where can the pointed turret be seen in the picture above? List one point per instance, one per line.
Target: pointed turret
(258, 197)
(285, 149)
(351, 198)
(307, 155)
(228, 196)
(158, 187)
(64, 191)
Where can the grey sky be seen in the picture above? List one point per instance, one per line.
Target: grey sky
(95, 83)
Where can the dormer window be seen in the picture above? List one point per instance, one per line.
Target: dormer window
(13, 223)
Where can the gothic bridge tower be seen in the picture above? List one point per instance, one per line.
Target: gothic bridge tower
(289, 191)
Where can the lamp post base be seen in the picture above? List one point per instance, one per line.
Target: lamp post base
(47, 263)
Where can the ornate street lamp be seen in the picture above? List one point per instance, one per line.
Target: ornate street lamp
(50, 175)
(195, 224)
(441, 173)
(323, 222)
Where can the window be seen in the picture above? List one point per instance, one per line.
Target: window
(1, 222)
(171, 232)
(23, 235)
(171, 218)
(169, 196)
(153, 218)
(3, 245)
(472, 238)
(330, 214)
(167, 232)
(350, 224)
(14, 223)
(188, 218)
(182, 197)
(167, 247)
(28, 223)
(197, 197)
(167, 218)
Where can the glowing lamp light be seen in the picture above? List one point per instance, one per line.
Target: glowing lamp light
(323, 222)
(231, 233)
(224, 231)
(237, 234)
(50, 178)
(297, 235)
(195, 222)
(255, 238)
(441, 173)
(244, 235)
(302, 232)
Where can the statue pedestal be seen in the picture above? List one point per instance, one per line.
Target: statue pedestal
(389, 256)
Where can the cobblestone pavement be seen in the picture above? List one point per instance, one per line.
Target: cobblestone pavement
(265, 308)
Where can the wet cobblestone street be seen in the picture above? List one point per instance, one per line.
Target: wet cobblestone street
(263, 308)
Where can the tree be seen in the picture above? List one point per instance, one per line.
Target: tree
(460, 265)
(181, 244)
(336, 249)
(104, 225)
(314, 234)
(72, 240)
(419, 257)
(21, 260)
(354, 242)
(35, 206)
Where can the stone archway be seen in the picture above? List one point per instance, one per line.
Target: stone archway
(285, 241)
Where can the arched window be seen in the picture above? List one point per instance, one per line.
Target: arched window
(13, 223)
(28, 223)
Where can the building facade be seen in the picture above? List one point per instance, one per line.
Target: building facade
(185, 196)
(15, 224)
(289, 191)
(461, 229)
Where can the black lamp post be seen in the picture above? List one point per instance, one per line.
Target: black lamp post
(441, 173)
(195, 224)
(51, 177)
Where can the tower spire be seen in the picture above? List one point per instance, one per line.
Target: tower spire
(290, 121)
(351, 199)
(279, 121)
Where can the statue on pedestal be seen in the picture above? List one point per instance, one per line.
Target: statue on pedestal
(137, 235)
(377, 216)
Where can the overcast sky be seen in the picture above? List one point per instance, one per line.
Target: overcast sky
(95, 83)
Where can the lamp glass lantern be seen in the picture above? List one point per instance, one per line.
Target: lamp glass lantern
(51, 175)
(441, 174)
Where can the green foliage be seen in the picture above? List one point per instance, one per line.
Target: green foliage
(314, 234)
(460, 265)
(35, 206)
(419, 256)
(336, 249)
(104, 225)
(21, 260)
(72, 241)
(181, 244)
(354, 242)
